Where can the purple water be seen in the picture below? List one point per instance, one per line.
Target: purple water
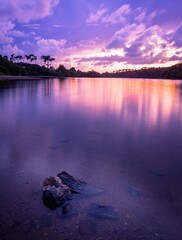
(121, 135)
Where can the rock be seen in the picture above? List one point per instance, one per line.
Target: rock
(102, 212)
(55, 193)
(52, 181)
(66, 211)
(76, 186)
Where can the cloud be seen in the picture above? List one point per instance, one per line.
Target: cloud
(119, 16)
(87, 44)
(50, 46)
(26, 43)
(125, 36)
(25, 11)
(122, 15)
(106, 59)
(135, 44)
(144, 45)
(9, 49)
(93, 18)
(16, 33)
(176, 36)
(57, 25)
(8, 33)
(32, 25)
(5, 30)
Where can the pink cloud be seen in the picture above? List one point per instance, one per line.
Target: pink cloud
(125, 36)
(16, 33)
(25, 11)
(144, 44)
(5, 30)
(118, 16)
(51, 47)
(93, 18)
(121, 15)
(9, 49)
(31, 25)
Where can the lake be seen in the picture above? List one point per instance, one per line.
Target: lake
(123, 136)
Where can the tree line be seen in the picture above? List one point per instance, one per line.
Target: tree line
(47, 60)
(27, 66)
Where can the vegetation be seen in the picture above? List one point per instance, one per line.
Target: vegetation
(27, 66)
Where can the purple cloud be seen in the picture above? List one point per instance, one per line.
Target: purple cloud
(50, 46)
(9, 49)
(118, 16)
(94, 18)
(5, 29)
(25, 11)
(126, 35)
(137, 32)
(176, 36)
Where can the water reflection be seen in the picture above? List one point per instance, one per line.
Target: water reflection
(154, 100)
(123, 135)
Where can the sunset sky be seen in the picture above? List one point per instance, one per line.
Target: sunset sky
(94, 35)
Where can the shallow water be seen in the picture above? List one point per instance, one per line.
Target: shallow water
(121, 135)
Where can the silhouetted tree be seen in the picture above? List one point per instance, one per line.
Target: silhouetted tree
(12, 57)
(18, 58)
(47, 60)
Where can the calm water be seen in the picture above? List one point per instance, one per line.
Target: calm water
(121, 135)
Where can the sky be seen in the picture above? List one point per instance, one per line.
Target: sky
(94, 34)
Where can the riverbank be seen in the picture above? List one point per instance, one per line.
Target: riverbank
(10, 77)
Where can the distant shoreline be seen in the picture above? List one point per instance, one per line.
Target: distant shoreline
(14, 78)
(9, 77)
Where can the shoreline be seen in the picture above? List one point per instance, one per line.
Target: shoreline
(9, 77)
(14, 78)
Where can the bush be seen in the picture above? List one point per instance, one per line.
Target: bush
(4, 70)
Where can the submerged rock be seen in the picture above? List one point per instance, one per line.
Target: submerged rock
(66, 211)
(58, 189)
(102, 212)
(55, 193)
(52, 181)
(76, 186)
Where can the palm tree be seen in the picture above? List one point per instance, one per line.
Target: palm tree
(12, 57)
(27, 57)
(31, 57)
(51, 60)
(19, 58)
(35, 59)
(46, 60)
(43, 59)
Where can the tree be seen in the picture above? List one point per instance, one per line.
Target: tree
(27, 57)
(47, 60)
(5, 58)
(51, 60)
(62, 70)
(31, 57)
(12, 57)
(18, 58)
